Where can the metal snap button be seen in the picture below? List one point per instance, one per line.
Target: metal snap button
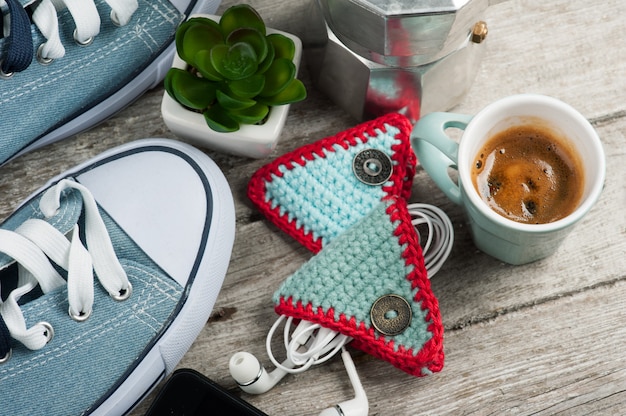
(372, 167)
(391, 314)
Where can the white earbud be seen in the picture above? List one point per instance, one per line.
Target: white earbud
(353, 407)
(250, 374)
(309, 344)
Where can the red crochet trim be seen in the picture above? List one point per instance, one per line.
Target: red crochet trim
(402, 177)
(431, 355)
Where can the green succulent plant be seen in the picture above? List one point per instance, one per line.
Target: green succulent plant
(236, 70)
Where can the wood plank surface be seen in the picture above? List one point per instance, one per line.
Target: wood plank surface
(545, 338)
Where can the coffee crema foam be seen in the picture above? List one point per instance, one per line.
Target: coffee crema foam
(529, 174)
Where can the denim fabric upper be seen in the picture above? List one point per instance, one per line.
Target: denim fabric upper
(84, 359)
(41, 98)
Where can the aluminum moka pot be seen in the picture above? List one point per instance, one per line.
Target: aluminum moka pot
(373, 57)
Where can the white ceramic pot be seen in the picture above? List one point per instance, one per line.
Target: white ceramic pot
(255, 141)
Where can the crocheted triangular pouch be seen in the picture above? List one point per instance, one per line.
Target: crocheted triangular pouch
(319, 190)
(370, 283)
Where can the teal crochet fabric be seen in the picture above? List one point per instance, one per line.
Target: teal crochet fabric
(377, 258)
(313, 193)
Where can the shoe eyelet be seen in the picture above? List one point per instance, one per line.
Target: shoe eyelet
(48, 332)
(4, 75)
(42, 59)
(86, 42)
(114, 19)
(6, 357)
(80, 316)
(123, 293)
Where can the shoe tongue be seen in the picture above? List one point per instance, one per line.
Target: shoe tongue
(370, 283)
(313, 192)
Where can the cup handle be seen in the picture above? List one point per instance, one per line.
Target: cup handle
(437, 152)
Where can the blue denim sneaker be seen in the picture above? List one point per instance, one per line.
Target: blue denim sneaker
(107, 276)
(66, 65)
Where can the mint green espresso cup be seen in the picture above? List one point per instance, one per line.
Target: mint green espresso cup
(507, 240)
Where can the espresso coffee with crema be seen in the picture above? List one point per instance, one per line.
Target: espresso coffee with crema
(529, 174)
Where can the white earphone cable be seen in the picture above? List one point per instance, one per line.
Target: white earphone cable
(440, 235)
(309, 344)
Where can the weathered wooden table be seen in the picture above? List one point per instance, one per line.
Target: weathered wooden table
(549, 337)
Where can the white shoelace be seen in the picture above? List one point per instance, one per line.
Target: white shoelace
(35, 243)
(86, 19)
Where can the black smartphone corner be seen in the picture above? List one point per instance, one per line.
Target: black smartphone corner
(189, 393)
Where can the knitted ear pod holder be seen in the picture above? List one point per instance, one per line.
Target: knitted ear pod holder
(321, 189)
(370, 283)
(343, 197)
